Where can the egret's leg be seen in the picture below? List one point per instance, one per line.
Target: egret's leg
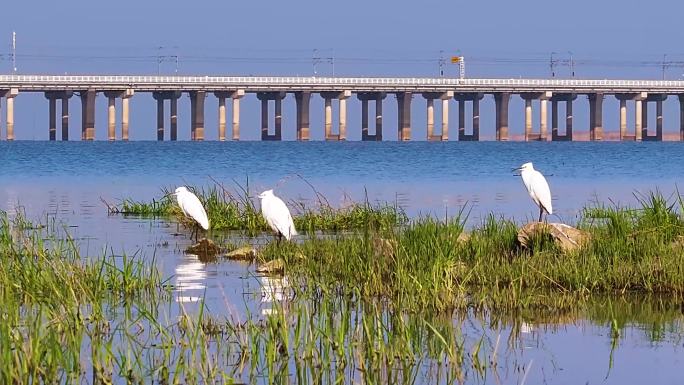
(541, 213)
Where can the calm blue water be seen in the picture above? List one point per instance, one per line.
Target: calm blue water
(421, 176)
(65, 182)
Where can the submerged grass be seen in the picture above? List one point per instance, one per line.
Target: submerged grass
(236, 210)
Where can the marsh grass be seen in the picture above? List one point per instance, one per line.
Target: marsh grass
(236, 210)
(425, 265)
(410, 304)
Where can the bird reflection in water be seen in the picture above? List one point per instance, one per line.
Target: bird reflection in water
(191, 275)
(272, 291)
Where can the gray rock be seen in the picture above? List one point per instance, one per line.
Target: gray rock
(566, 237)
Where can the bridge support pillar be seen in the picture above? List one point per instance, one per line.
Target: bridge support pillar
(623, 118)
(88, 114)
(430, 118)
(445, 119)
(543, 119)
(365, 98)
(173, 115)
(658, 99)
(111, 113)
(125, 97)
(222, 122)
(63, 97)
(221, 118)
(264, 119)
(404, 116)
(596, 116)
(342, 111)
(52, 115)
(681, 116)
(111, 118)
(9, 114)
(462, 99)
(659, 119)
(303, 101)
(159, 97)
(430, 98)
(543, 115)
(277, 97)
(378, 116)
(343, 115)
(197, 114)
(528, 119)
(641, 120)
(65, 115)
(638, 119)
(237, 95)
(567, 98)
(501, 100)
(364, 119)
(328, 119)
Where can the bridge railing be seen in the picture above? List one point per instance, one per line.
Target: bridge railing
(134, 80)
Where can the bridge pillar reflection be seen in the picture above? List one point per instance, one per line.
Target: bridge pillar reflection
(365, 98)
(277, 97)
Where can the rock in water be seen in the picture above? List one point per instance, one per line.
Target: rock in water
(566, 237)
(276, 266)
(245, 253)
(206, 250)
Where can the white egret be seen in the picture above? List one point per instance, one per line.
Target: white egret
(191, 206)
(537, 187)
(277, 215)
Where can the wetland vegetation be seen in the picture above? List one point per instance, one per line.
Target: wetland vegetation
(368, 296)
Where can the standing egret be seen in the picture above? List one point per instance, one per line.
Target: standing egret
(277, 215)
(537, 187)
(191, 206)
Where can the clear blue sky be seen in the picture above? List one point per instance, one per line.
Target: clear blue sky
(608, 39)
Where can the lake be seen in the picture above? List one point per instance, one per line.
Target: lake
(66, 182)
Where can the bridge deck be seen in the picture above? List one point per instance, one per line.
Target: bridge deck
(355, 84)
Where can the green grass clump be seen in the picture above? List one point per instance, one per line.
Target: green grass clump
(51, 301)
(237, 211)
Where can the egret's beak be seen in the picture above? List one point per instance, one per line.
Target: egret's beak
(517, 169)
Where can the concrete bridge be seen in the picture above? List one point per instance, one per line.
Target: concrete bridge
(367, 90)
